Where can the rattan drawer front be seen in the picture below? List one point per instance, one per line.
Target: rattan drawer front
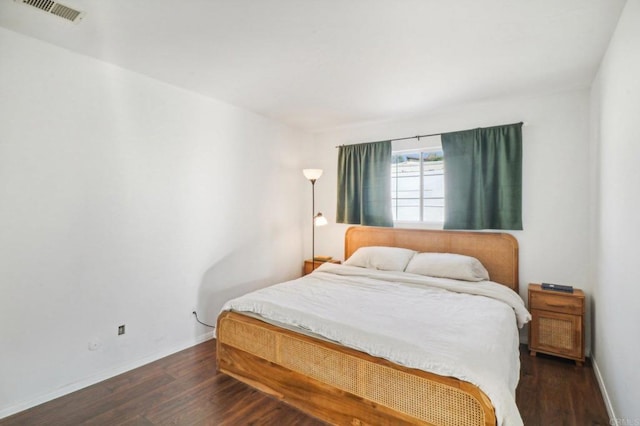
(558, 334)
(555, 302)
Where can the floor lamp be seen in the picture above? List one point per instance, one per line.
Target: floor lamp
(317, 219)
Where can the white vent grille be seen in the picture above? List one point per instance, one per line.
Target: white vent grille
(55, 8)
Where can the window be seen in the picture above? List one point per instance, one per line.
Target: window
(417, 185)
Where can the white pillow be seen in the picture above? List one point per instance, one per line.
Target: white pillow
(383, 258)
(448, 265)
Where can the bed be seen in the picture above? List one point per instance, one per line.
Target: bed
(343, 385)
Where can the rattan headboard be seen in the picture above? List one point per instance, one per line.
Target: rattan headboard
(498, 252)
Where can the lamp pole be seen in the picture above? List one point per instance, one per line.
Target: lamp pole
(312, 175)
(313, 224)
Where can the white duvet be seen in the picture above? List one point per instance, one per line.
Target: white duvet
(468, 330)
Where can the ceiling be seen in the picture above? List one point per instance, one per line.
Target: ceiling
(318, 64)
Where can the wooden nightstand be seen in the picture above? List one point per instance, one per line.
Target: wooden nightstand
(309, 264)
(557, 324)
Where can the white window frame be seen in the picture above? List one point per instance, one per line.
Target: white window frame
(432, 144)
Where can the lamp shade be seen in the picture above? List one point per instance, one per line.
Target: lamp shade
(319, 220)
(312, 174)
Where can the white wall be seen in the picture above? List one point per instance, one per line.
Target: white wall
(616, 226)
(554, 242)
(124, 200)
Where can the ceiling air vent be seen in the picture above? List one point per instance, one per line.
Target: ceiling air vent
(55, 8)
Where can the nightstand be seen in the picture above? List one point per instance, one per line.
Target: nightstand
(557, 324)
(309, 264)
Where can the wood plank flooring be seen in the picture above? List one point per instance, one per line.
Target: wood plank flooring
(185, 389)
(554, 391)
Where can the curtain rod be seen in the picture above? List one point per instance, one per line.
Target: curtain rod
(524, 123)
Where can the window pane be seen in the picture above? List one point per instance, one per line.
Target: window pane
(405, 184)
(406, 180)
(408, 214)
(433, 185)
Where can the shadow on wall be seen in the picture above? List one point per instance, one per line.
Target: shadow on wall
(247, 268)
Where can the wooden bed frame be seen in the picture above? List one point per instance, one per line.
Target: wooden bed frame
(347, 387)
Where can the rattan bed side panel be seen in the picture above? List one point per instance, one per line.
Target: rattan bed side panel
(249, 338)
(430, 401)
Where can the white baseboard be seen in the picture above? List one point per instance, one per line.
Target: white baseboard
(605, 395)
(104, 375)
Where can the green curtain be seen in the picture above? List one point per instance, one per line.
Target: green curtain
(364, 184)
(483, 178)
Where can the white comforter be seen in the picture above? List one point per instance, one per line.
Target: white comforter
(448, 327)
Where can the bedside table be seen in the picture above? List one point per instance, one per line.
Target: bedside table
(309, 266)
(557, 324)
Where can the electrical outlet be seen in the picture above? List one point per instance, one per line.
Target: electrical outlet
(121, 330)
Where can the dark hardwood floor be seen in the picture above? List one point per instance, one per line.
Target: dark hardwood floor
(185, 389)
(554, 391)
